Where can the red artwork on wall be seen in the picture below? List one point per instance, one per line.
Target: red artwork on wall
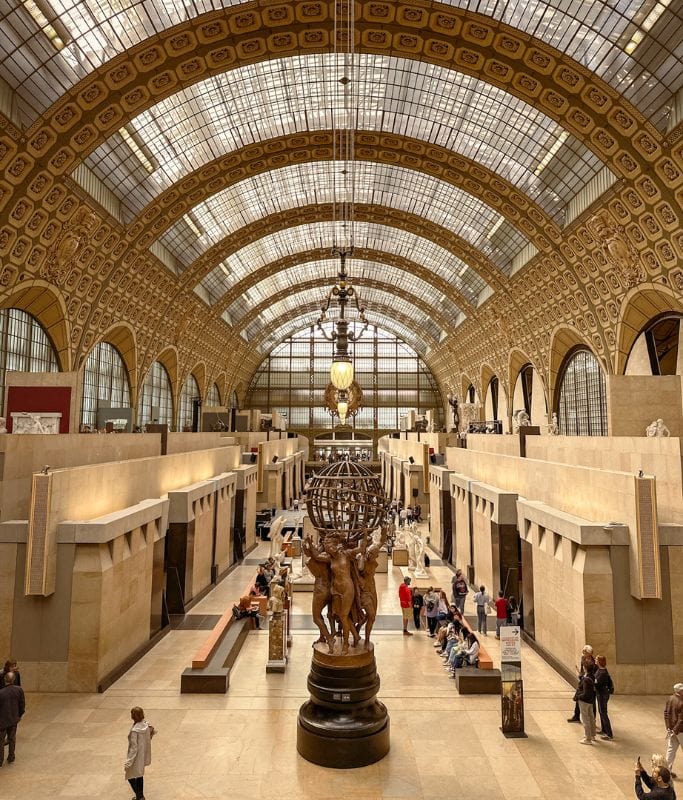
(40, 399)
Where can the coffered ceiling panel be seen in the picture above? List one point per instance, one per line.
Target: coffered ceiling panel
(320, 183)
(617, 39)
(303, 93)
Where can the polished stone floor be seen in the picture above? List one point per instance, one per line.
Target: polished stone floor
(243, 744)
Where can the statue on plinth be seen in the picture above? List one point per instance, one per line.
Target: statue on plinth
(276, 601)
(520, 419)
(276, 537)
(554, 426)
(657, 429)
(343, 724)
(3, 424)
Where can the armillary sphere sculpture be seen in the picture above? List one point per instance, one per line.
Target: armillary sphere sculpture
(343, 724)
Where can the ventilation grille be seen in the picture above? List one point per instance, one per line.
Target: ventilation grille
(39, 579)
(649, 575)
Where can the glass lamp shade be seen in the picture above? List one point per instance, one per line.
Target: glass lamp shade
(341, 373)
(342, 409)
(342, 419)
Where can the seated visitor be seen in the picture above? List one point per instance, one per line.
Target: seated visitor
(262, 582)
(660, 781)
(470, 655)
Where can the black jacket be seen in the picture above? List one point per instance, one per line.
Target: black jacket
(12, 706)
(603, 682)
(657, 793)
(649, 782)
(586, 691)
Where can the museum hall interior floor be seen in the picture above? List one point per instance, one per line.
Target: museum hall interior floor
(242, 745)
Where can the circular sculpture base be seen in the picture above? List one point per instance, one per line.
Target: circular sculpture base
(343, 725)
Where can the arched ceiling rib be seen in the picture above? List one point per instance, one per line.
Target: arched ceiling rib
(362, 272)
(361, 264)
(289, 238)
(453, 256)
(317, 284)
(230, 169)
(618, 41)
(375, 184)
(393, 321)
(301, 94)
(373, 298)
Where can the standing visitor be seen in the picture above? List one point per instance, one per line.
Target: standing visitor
(139, 751)
(673, 717)
(586, 699)
(481, 602)
(501, 613)
(405, 597)
(513, 611)
(12, 708)
(604, 688)
(460, 590)
(586, 658)
(10, 666)
(418, 602)
(432, 610)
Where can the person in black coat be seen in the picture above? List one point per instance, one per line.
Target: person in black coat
(660, 783)
(12, 708)
(418, 602)
(585, 696)
(603, 689)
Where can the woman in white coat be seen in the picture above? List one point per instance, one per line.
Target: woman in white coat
(139, 751)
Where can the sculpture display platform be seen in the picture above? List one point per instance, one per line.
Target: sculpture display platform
(344, 725)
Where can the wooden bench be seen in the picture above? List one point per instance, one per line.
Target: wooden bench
(211, 664)
(483, 679)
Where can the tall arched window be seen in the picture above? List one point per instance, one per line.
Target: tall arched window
(188, 395)
(213, 396)
(156, 397)
(24, 346)
(471, 394)
(658, 350)
(582, 404)
(491, 404)
(104, 378)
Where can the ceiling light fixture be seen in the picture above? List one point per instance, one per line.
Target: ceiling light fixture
(646, 25)
(46, 19)
(137, 151)
(561, 139)
(193, 225)
(491, 233)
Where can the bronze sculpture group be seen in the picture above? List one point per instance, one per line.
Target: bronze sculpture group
(344, 574)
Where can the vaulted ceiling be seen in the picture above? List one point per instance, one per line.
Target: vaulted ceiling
(204, 130)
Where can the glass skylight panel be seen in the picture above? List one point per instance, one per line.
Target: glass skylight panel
(321, 235)
(359, 271)
(376, 184)
(371, 298)
(260, 101)
(596, 33)
(299, 327)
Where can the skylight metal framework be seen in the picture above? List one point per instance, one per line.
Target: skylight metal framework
(599, 34)
(368, 235)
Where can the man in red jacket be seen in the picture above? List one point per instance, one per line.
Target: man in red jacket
(405, 597)
(501, 613)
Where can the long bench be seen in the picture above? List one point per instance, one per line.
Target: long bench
(211, 664)
(483, 679)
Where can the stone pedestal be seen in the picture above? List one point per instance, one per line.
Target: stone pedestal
(399, 557)
(382, 561)
(343, 725)
(277, 642)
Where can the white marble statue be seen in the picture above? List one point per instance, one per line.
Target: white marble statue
(554, 426)
(520, 419)
(3, 425)
(276, 537)
(276, 601)
(657, 428)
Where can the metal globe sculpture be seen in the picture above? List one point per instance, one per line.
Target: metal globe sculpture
(348, 498)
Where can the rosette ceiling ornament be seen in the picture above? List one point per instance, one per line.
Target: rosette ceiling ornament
(343, 293)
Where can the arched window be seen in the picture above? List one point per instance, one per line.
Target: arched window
(491, 405)
(524, 389)
(24, 346)
(471, 394)
(213, 396)
(189, 394)
(658, 350)
(582, 404)
(104, 378)
(156, 397)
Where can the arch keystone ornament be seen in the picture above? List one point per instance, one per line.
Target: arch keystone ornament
(344, 725)
(618, 250)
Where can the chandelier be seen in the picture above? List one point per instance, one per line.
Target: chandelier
(343, 403)
(343, 200)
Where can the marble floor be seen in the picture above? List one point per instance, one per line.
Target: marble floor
(243, 744)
